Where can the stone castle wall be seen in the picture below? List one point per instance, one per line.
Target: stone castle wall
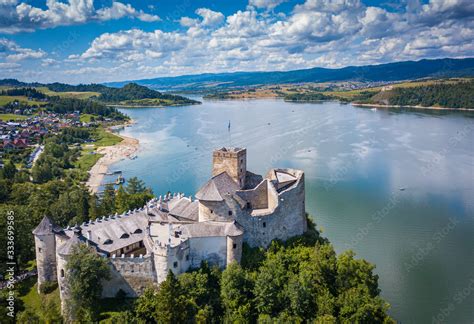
(288, 219)
(258, 197)
(215, 211)
(129, 274)
(45, 246)
(234, 249)
(234, 163)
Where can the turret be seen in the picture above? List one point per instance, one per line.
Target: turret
(45, 245)
(231, 160)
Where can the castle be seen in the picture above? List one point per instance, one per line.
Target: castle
(177, 233)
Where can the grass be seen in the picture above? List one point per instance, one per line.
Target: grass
(8, 117)
(87, 160)
(7, 99)
(104, 138)
(86, 118)
(28, 292)
(69, 94)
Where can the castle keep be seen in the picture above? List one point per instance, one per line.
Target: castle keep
(177, 233)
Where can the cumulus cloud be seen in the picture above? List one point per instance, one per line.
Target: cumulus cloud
(12, 52)
(315, 33)
(266, 4)
(24, 17)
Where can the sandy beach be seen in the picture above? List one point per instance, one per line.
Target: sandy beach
(112, 154)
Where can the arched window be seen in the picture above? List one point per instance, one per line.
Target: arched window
(62, 273)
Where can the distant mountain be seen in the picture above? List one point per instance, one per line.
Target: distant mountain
(407, 70)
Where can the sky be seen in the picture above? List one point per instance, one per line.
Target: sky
(84, 41)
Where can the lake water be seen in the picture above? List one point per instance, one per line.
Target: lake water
(396, 187)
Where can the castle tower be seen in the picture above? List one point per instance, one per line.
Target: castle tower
(45, 245)
(231, 160)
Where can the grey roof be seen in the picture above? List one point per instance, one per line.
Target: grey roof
(186, 208)
(115, 232)
(252, 180)
(217, 188)
(67, 248)
(45, 227)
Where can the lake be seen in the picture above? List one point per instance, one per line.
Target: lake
(397, 187)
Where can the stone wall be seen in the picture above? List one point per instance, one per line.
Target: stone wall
(210, 249)
(45, 246)
(232, 162)
(287, 220)
(258, 197)
(234, 249)
(215, 211)
(129, 274)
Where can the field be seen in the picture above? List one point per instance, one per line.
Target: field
(104, 138)
(7, 99)
(8, 117)
(71, 94)
(87, 160)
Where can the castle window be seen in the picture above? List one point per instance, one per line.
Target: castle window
(62, 273)
(234, 246)
(264, 224)
(240, 170)
(230, 212)
(249, 205)
(212, 212)
(39, 250)
(175, 264)
(187, 257)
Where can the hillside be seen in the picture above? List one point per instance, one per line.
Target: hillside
(458, 95)
(131, 94)
(407, 70)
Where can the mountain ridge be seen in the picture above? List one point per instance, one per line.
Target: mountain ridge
(396, 71)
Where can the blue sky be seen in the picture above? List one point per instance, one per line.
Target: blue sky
(95, 41)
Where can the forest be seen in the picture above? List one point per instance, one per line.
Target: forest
(458, 95)
(131, 91)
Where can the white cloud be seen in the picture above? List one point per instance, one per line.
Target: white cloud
(266, 4)
(12, 52)
(26, 18)
(210, 18)
(315, 33)
(120, 10)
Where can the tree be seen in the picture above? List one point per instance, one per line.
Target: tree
(237, 295)
(134, 186)
(171, 305)
(85, 271)
(9, 170)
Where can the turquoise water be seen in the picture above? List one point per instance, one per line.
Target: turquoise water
(396, 187)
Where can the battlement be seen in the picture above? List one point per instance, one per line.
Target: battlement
(229, 152)
(232, 160)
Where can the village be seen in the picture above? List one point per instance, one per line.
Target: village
(23, 137)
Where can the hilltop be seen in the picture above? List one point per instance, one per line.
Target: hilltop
(407, 70)
(130, 94)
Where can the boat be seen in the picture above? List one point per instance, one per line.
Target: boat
(373, 109)
(120, 180)
(401, 189)
(132, 157)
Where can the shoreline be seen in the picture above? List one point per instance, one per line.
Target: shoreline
(410, 107)
(111, 154)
